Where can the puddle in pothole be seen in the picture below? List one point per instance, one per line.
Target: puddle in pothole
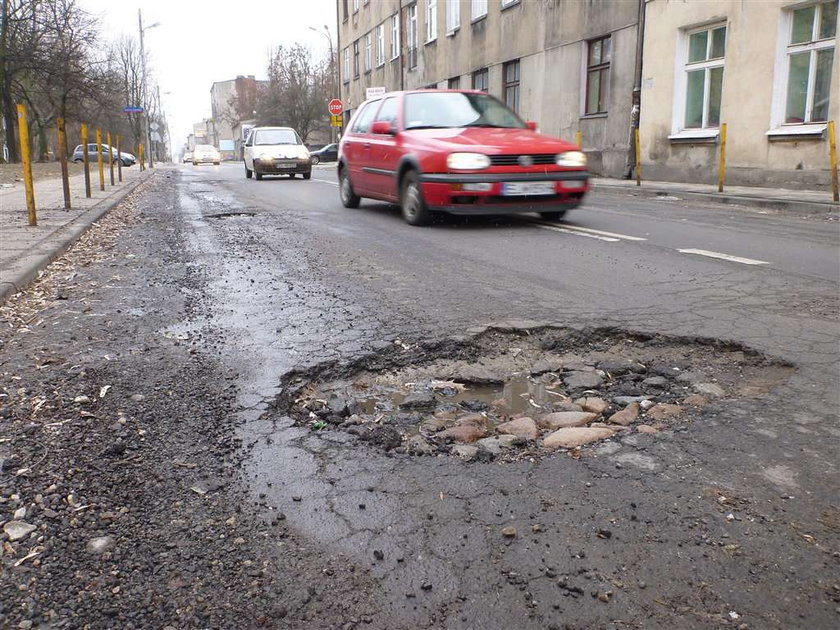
(508, 394)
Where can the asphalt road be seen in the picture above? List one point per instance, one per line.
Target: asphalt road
(300, 281)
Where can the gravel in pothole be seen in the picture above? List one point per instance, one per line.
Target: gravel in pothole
(509, 394)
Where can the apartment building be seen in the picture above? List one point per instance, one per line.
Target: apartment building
(228, 100)
(768, 69)
(569, 66)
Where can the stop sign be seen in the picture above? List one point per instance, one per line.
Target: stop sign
(336, 107)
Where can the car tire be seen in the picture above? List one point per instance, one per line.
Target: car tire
(195, 163)
(554, 215)
(291, 175)
(315, 159)
(257, 174)
(79, 161)
(307, 175)
(414, 209)
(349, 199)
(215, 163)
(248, 173)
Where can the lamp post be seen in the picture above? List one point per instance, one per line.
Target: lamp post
(333, 78)
(143, 85)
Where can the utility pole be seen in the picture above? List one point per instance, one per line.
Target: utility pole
(143, 86)
(333, 77)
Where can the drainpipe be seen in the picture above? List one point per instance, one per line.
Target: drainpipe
(635, 110)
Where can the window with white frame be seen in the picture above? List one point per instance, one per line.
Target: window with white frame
(507, 3)
(355, 6)
(431, 20)
(703, 77)
(453, 15)
(412, 36)
(478, 9)
(395, 35)
(347, 64)
(809, 53)
(368, 52)
(380, 45)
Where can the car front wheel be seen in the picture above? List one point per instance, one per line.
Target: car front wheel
(349, 199)
(257, 174)
(414, 209)
(248, 172)
(315, 159)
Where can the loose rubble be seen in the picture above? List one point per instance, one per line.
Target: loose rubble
(508, 394)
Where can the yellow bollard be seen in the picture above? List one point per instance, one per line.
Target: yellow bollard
(23, 129)
(119, 160)
(99, 162)
(86, 159)
(578, 139)
(832, 155)
(110, 156)
(62, 157)
(638, 158)
(722, 161)
(140, 156)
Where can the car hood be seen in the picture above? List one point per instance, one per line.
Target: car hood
(281, 150)
(491, 141)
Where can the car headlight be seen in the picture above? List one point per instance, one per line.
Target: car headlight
(571, 158)
(467, 161)
(265, 157)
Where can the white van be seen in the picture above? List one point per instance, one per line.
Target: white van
(276, 151)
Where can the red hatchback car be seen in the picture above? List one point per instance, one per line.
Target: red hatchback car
(456, 151)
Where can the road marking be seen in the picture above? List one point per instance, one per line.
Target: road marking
(730, 258)
(614, 235)
(555, 228)
(325, 181)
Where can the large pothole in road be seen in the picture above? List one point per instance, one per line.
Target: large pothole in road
(511, 393)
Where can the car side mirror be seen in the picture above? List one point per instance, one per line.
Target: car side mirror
(531, 125)
(383, 128)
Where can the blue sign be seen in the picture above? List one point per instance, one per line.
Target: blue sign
(133, 109)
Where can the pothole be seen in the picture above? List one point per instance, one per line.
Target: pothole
(507, 394)
(230, 215)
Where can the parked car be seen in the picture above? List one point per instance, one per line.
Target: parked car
(127, 159)
(276, 151)
(206, 153)
(328, 153)
(456, 151)
(187, 157)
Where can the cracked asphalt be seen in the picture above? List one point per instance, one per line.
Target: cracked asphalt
(730, 521)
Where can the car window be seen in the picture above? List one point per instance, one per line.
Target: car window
(457, 109)
(363, 119)
(78, 148)
(92, 147)
(388, 111)
(276, 136)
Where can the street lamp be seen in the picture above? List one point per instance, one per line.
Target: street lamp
(333, 78)
(143, 85)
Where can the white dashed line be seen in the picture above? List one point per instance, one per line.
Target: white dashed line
(555, 228)
(575, 228)
(325, 181)
(730, 258)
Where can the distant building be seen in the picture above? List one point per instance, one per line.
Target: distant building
(232, 102)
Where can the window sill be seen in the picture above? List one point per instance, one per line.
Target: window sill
(510, 4)
(797, 132)
(598, 115)
(453, 32)
(393, 59)
(478, 19)
(430, 41)
(380, 64)
(696, 136)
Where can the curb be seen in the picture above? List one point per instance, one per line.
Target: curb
(55, 244)
(774, 203)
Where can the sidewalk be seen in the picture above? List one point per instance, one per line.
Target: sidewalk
(805, 201)
(26, 250)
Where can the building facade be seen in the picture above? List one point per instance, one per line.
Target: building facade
(769, 70)
(569, 66)
(229, 100)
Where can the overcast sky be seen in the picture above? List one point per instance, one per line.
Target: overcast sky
(200, 42)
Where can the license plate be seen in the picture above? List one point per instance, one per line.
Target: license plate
(572, 184)
(286, 164)
(519, 189)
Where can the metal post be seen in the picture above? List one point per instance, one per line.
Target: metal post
(638, 158)
(722, 161)
(140, 156)
(99, 162)
(578, 139)
(832, 154)
(143, 86)
(86, 159)
(26, 157)
(119, 159)
(62, 157)
(111, 157)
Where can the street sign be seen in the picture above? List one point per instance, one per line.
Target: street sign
(336, 121)
(133, 109)
(154, 126)
(155, 137)
(336, 107)
(373, 92)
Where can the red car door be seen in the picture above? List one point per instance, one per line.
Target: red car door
(384, 153)
(356, 147)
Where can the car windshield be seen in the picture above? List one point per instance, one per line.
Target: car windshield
(441, 110)
(276, 136)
